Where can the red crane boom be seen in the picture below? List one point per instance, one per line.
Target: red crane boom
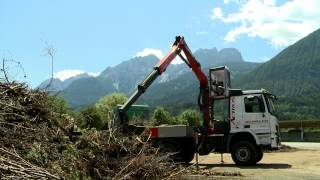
(178, 46)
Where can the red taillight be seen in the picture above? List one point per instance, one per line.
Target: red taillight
(154, 132)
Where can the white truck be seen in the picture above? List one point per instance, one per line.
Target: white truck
(248, 127)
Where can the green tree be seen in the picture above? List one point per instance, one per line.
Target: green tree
(161, 116)
(190, 117)
(90, 118)
(106, 105)
(61, 113)
(59, 105)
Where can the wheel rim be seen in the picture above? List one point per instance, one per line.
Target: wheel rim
(243, 154)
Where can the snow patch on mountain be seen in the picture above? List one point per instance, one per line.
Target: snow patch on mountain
(69, 73)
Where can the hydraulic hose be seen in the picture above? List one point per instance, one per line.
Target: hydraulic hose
(200, 98)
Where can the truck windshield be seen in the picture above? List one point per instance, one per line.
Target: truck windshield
(270, 104)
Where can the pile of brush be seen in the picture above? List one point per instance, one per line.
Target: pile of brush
(36, 144)
(19, 104)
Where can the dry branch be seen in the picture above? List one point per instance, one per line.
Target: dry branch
(12, 166)
(38, 147)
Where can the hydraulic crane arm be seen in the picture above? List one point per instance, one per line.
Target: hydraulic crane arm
(178, 46)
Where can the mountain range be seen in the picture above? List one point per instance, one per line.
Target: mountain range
(293, 75)
(84, 90)
(56, 84)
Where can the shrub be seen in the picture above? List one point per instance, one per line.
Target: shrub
(190, 117)
(37, 154)
(91, 118)
(107, 104)
(161, 116)
(59, 105)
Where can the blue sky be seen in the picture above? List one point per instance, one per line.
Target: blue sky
(91, 35)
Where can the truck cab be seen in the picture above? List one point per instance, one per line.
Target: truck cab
(251, 126)
(252, 111)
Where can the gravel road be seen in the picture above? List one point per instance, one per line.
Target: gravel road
(302, 163)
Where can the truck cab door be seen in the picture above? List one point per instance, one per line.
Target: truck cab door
(256, 117)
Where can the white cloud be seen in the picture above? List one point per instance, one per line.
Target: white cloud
(148, 51)
(158, 53)
(66, 74)
(226, 1)
(216, 13)
(264, 59)
(281, 25)
(178, 60)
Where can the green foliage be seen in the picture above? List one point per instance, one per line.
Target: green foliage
(99, 115)
(91, 118)
(58, 104)
(37, 154)
(60, 111)
(190, 117)
(296, 108)
(108, 103)
(68, 168)
(161, 116)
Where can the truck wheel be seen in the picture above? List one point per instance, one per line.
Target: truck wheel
(244, 153)
(259, 154)
(179, 152)
(173, 148)
(188, 155)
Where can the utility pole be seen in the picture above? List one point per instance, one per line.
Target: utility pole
(50, 51)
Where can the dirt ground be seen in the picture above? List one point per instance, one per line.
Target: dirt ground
(302, 163)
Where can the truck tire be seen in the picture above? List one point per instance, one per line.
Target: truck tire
(259, 154)
(188, 155)
(244, 153)
(180, 151)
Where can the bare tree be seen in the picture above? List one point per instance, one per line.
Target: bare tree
(4, 71)
(10, 70)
